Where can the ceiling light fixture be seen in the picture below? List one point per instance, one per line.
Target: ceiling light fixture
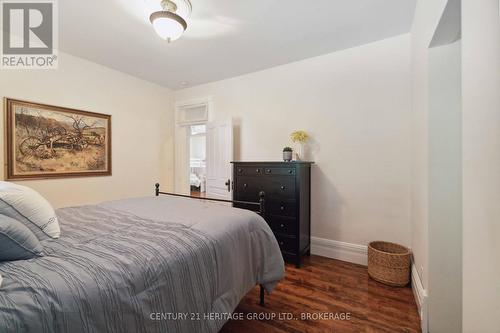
(169, 22)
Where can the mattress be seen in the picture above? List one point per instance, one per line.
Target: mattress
(159, 264)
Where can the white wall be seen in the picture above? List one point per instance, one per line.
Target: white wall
(356, 105)
(481, 165)
(427, 15)
(480, 155)
(142, 121)
(445, 188)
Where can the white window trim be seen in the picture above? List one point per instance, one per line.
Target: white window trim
(192, 103)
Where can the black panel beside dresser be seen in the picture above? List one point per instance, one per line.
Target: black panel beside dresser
(288, 201)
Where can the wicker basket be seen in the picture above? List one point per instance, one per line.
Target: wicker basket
(389, 263)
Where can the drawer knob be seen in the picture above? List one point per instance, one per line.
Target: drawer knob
(290, 171)
(281, 243)
(283, 187)
(282, 208)
(245, 185)
(258, 170)
(282, 225)
(240, 170)
(268, 170)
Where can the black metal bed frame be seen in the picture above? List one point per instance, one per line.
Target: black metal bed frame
(262, 211)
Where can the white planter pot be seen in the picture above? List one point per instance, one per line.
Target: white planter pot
(287, 156)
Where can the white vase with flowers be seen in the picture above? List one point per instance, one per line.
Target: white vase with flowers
(300, 138)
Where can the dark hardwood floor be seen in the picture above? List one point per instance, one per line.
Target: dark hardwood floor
(198, 194)
(330, 288)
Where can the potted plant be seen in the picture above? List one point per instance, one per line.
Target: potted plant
(287, 154)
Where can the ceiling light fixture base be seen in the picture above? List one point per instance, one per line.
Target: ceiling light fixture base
(168, 23)
(169, 6)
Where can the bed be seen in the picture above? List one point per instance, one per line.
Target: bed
(135, 265)
(194, 180)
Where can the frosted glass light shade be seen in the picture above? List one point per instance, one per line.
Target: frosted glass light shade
(167, 25)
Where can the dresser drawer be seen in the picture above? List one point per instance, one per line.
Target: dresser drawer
(283, 225)
(279, 171)
(276, 188)
(249, 171)
(247, 188)
(287, 243)
(284, 207)
(280, 187)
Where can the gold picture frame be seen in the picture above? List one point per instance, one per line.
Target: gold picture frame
(46, 141)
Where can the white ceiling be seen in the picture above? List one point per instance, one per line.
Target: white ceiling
(225, 38)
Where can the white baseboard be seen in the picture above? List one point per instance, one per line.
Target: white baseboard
(420, 298)
(354, 253)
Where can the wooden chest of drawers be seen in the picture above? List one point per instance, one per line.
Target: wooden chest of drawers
(288, 201)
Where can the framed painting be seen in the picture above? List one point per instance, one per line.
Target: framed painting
(44, 141)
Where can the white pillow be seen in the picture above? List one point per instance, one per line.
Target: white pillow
(30, 208)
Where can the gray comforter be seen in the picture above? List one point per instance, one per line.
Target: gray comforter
(158, 264)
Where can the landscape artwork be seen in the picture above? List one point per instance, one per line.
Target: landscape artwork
(46, 141)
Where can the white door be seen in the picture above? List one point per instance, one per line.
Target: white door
(219, 157)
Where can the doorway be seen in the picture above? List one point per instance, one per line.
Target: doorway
(197, 160)
(203, 151)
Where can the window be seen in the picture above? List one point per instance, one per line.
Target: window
(192, 113)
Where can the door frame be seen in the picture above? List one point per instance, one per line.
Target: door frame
(181, 140)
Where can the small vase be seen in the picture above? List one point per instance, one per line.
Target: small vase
(299, 152)
(287, 156)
